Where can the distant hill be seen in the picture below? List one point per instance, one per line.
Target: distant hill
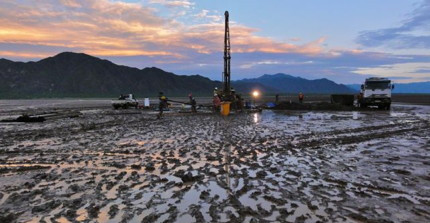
(81, 75)
(283, 83)
(413, 88)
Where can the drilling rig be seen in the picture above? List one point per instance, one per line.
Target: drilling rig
(227, 94)
(227, 58)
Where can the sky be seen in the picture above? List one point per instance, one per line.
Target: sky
(344, 41)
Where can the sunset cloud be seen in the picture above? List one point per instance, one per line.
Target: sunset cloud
(14, 54)
(71, 3)
(173, 3)
(106, 28)
(95, 27)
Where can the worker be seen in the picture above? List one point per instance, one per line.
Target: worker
(359, 98)
(216, 103)
(233, 98)
(239, 102)
(162, 104)
(301, 97)
(276, 98)
(216, 91)
(193, 103)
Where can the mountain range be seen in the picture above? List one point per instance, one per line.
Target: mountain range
(80, 75)
(285, 83)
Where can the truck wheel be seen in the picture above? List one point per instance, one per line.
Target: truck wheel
(388, 107)
(115, 106)
(125, 106)
(381, 107)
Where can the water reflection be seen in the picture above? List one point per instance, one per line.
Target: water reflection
(355, 115)
(256, 117)
(227, 161)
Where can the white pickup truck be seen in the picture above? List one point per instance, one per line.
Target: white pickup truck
(125, 101)
(376, 92)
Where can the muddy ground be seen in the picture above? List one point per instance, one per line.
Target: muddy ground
(276, 166)
(417, 99)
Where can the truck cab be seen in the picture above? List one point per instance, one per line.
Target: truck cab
(376, 92)
(125, 101)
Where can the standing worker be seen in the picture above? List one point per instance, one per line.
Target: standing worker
(276, 98)
(233, 104)
(162, 104)
(359, 98)
(301, 97)
(239, 102)
(193, 103)
(217, 103)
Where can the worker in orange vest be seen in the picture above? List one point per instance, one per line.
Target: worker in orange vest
(301, 97)
(216, 103)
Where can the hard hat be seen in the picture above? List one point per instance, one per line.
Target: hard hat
(163, 97)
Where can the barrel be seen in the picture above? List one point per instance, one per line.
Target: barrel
(225, 108)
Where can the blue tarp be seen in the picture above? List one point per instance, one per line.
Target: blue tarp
(270, 105)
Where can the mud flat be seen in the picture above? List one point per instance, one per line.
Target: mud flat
(417, 99)
(274, 166)
(319, 106)
(422, 99)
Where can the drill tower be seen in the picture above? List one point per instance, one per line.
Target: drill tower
(227, 57)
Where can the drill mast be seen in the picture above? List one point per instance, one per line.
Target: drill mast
(227, 57)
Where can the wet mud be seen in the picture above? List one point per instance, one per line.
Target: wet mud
(274, 166)
(318, 106)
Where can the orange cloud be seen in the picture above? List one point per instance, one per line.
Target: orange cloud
(71, 3)
(23, 54)
(110, 28)
(210, 37)
(173, 3)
